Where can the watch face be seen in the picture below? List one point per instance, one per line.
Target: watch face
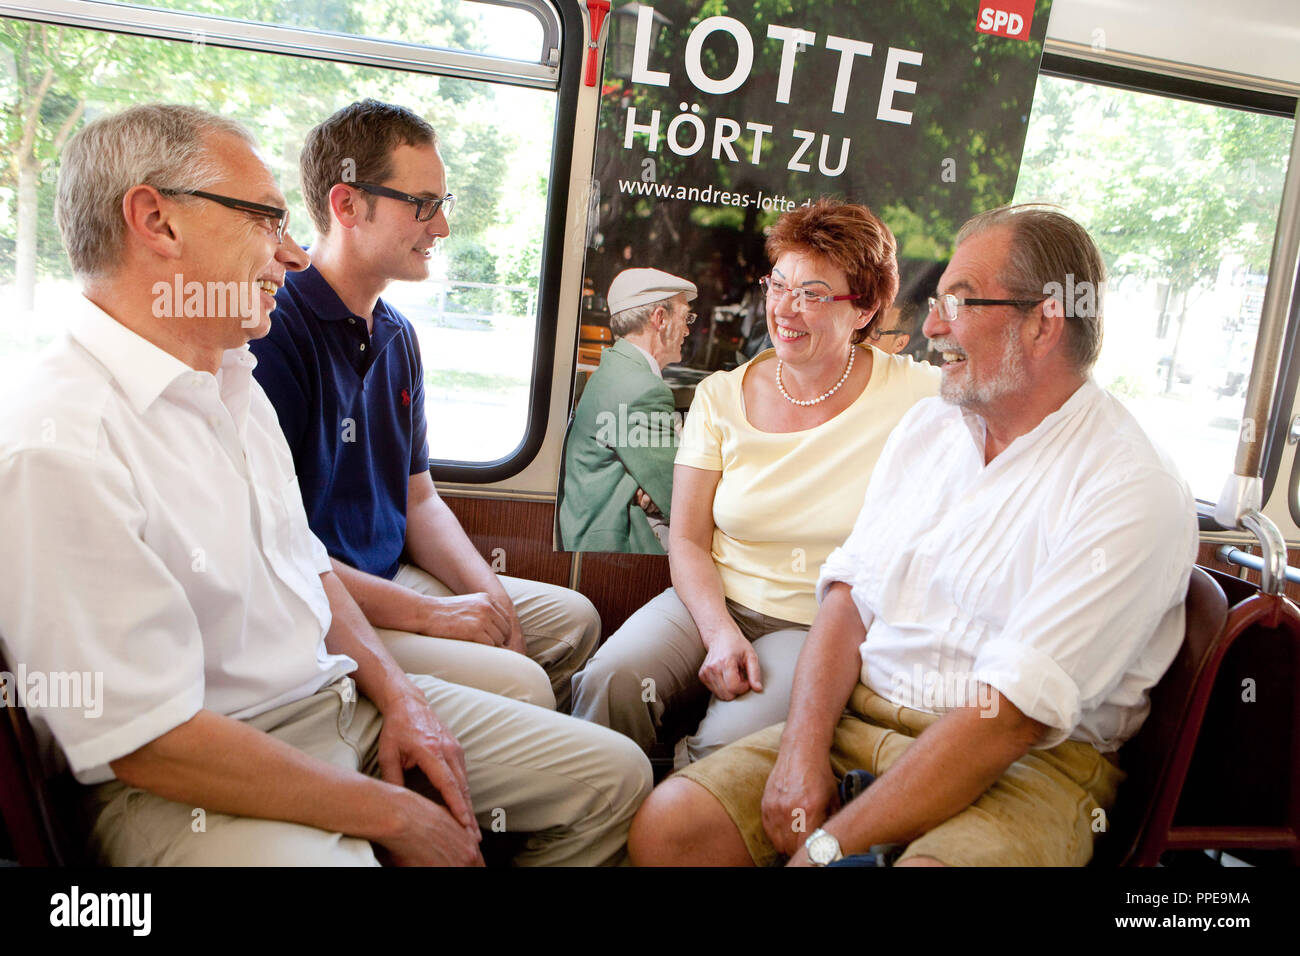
(823, 848)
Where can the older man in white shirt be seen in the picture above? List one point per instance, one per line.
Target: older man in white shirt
(988, 634)
(150, 502)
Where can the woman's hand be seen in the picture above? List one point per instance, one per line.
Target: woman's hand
(731, 666)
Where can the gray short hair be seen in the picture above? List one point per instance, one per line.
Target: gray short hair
(158, 144)
(1049, 248)
(632, 321)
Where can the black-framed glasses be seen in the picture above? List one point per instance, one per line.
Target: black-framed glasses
(280, 217)
(874, 334)
(425, 209)
(948, 304)
(800, 298)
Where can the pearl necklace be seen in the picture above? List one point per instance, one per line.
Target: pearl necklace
(821, 398)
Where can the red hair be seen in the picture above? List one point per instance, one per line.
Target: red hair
(853, 239)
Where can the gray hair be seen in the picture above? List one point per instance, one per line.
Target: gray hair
(158, 144)
(1050, 252)
(633, 320)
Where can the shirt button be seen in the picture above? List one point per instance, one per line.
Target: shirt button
(352, 321)
(363, 346)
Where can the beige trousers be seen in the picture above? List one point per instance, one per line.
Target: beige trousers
(650, 667)
(1042, 811)
(571, 785)
(560, 627)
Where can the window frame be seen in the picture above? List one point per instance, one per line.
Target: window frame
(254, 36)
(551, 270)
(556, 69)
(1256, 100)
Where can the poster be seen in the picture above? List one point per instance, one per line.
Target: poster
(717, 117)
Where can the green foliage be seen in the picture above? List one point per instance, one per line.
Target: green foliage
(477, 382)
(718, 217)
(470, 261)
(916, 235)
(1126, 386)
(52, 79)
(959, 67)
(1167, 188)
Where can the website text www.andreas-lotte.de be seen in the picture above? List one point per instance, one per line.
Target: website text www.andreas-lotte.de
(710, 194)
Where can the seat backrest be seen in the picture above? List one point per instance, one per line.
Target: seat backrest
(30, 802)
(1145, 757)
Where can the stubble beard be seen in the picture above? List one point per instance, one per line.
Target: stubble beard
(1009, 378)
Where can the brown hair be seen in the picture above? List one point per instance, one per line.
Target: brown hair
(853, 239)
(356, 145)
(1049, 248)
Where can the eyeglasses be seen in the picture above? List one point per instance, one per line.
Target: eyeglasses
(425, 209)
(279, 217)
(800, 298)
(948, 304)
(690, 318)
(875, 334)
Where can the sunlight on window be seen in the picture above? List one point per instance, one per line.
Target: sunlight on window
(1183, 200)
(476, 318)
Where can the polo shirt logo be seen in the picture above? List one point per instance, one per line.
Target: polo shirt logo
(406, 399)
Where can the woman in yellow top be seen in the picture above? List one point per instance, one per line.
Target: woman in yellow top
(770, 476)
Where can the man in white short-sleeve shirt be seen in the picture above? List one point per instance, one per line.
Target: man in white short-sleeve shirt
(1012, 589)
(158, 545)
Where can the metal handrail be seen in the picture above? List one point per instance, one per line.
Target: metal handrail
(1229, 554)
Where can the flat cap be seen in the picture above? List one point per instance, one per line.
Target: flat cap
(634, 287)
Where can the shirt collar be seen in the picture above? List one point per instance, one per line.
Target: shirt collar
(654, 366)
(1082, 397)
(235, 380)
(326, 305)
(325, 302)
(142, 370)
(320, 295)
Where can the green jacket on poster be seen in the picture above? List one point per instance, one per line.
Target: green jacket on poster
(622, 438)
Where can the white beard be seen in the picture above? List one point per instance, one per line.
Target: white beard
(1009, 378)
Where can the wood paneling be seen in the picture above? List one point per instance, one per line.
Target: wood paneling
(521, 529)
(617, 584)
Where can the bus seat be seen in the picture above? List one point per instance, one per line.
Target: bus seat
(1201, 772)
(37, 810)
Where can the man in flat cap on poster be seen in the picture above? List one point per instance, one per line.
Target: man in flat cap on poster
(622, 440)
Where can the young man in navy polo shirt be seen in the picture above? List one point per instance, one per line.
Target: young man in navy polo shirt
(343, 370)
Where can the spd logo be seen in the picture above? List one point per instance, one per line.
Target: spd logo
(1006, 18)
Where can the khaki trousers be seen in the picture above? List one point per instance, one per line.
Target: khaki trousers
(650, 666)
(1043, 811)
(560, 628)
(571, 785)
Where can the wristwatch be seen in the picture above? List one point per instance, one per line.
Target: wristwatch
(822, 848)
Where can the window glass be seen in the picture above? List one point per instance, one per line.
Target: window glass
(476, 315)
(450, 24)
(1183, 200)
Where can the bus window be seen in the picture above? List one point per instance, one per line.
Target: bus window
(476, 317)
(1183, 200)
(500, 31)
